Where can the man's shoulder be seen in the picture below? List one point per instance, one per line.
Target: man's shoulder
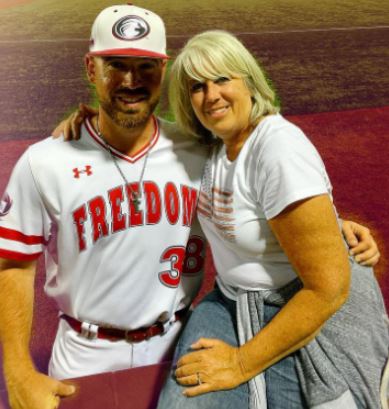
(51, 152)
(41, 148)
(49, 142)
(56, 144)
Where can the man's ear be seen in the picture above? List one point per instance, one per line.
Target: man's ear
(90, 66)
(164, 68)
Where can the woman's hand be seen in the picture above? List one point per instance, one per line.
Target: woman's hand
(70, 127)
(214, 366)
(362, 244)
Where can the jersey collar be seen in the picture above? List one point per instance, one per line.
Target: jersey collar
(138, 155)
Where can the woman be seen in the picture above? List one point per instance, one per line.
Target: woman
(292, 320)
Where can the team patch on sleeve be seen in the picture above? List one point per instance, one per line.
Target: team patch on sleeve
(5, 205)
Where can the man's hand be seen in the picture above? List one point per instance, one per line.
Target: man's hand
(70, 127)
(361, 243)
(37, 391)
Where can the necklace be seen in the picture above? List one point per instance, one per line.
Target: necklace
(135, 197)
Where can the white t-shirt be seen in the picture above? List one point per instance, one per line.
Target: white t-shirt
(106, 263)
(277, 166)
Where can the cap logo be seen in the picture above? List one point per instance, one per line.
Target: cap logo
(130, 28)
(5, 205)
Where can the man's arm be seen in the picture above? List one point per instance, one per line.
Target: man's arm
(27, 388)
(362, 244)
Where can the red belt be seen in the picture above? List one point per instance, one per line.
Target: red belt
(115, 334)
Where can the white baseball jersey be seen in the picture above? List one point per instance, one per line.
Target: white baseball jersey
(277, 166)
(107, 262)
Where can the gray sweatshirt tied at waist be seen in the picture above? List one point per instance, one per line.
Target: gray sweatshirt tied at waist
(345, 360)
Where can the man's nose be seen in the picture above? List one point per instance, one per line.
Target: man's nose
(132, 78)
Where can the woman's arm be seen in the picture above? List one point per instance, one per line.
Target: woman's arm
(70, 127)
(309, 235)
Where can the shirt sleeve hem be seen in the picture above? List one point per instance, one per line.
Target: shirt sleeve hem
(15, 235)
(14, 255)
(295, 197)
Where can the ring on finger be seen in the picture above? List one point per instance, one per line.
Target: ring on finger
(198, 378)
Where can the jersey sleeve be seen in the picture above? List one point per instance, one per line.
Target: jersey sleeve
(289, 169)
(24, 222)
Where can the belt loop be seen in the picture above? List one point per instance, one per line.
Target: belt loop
(166, 325)
(89, 331)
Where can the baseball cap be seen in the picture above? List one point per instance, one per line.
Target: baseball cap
(128, 31)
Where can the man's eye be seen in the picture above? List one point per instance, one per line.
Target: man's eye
(117, 65)
(197, 86)
(147, 66)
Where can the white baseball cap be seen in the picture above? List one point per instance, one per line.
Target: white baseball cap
(128, 31)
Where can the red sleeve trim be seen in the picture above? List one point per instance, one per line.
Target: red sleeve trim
(15, 235)
(14, 255)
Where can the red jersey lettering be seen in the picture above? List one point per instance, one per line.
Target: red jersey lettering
(99, 223)
(189, 199)
(153, 202)
(172, 203)
(116, 198)
(79, 218)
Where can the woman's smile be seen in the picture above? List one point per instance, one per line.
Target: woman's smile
(217, 112)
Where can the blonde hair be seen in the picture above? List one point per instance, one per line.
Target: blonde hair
(208, 56)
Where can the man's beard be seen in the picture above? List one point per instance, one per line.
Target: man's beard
(129, 118)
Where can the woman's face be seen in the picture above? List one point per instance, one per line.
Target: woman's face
(223, 106)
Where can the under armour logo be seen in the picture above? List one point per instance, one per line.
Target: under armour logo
(77, 172)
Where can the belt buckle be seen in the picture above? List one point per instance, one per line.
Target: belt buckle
(89, 331)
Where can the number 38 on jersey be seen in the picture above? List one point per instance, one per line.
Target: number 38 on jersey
(183, 261)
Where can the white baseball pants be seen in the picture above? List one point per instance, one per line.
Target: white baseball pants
(74, 356)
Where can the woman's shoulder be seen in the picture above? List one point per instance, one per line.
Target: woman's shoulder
(276, 127)
(276, 135)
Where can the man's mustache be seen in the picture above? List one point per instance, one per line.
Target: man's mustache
(134, 92)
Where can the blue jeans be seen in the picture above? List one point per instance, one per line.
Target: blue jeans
(215, 317)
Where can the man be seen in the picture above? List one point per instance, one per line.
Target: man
(114, 214)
